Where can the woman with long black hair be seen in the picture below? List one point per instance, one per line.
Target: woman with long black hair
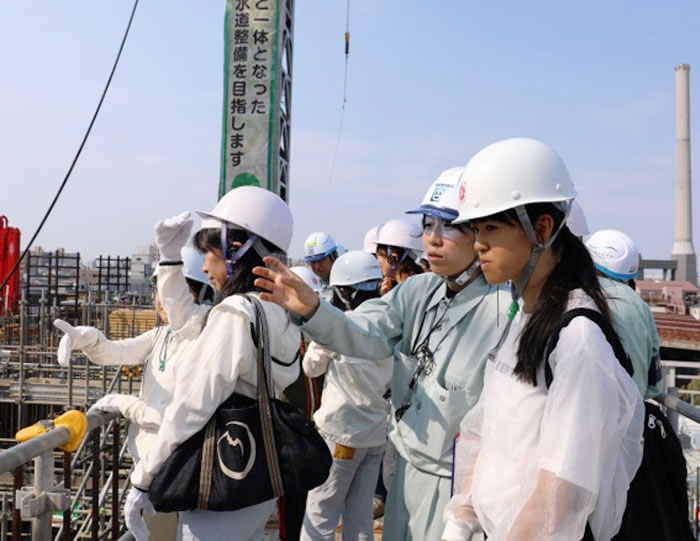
(550, 450)
(247, 224)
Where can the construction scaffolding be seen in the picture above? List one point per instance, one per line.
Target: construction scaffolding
(34, 387)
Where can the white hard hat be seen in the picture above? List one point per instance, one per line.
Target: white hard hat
(256, 210)
(402, 234)
(369, 244)
(509, 174)
(306, 274)
(356, 268)
(441, 199)
(192, 262)
(340, 249)
(317, 246)
(614, 254)
(576, 221)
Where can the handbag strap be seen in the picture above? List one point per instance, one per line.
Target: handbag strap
(265, 394)
(206, 469)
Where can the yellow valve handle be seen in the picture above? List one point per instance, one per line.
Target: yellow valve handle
(76, 423)
(30, 432)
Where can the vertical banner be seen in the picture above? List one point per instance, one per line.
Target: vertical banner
(249, 147)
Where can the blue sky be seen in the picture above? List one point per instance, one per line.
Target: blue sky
(429, 84)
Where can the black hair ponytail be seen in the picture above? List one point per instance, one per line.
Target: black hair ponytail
(574, 270)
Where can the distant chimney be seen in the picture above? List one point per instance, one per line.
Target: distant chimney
(683, 251)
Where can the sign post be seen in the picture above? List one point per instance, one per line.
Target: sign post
(257, 95)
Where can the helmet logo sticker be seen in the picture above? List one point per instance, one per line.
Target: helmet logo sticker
(438, 193)
(462, 193)
(232, 457)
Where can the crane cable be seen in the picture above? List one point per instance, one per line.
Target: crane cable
(77, 155)
(345, 91)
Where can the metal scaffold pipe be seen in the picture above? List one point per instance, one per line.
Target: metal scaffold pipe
(28, 450)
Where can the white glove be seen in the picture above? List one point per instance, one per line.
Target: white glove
(171, 236)
(457, 532)
(75, 338)
(137, 501)
(132, 407)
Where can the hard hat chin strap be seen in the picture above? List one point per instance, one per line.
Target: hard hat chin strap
(537, 249)
(239, 253)
(465, 275)
(347, 302)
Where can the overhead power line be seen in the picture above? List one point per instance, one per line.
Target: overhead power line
(77, 154)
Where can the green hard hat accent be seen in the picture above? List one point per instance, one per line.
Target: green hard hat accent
(245, 179)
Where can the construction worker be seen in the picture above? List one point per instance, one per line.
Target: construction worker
(320, 251)
(245, 225)
(616, 260)
(158, 351)
(352, 417)
(546, 454)
(399, 245)
(439, 326)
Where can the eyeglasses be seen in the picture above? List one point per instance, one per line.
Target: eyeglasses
(443, 228)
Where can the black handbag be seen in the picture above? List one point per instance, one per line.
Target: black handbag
(249, 452)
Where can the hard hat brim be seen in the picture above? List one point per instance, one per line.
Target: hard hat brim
(209, 221)
(616, 275)
(476, 213)
(437, 212)
(317, 257)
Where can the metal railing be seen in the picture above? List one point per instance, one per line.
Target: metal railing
(39, 502)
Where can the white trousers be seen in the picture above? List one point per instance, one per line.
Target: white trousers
(348, 492)
(247, 524)
(415, 504)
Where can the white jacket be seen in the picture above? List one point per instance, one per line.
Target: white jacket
(158, 350)
(549, 459)
(221, 360)
(353, 409)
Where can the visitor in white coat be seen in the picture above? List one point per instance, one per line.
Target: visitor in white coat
(537, 458)
(247, 224)
(158, 351)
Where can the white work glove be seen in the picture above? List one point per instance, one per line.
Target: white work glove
(457, 532)
(171, 236)
(132, 407)
(75, 338)
(136, 502)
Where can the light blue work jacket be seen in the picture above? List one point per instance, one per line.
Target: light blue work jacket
(634, 323)
(464, 330)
